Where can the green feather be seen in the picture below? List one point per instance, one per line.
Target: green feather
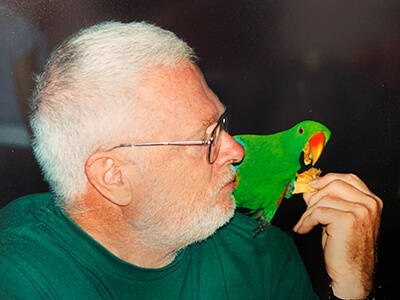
(270, 164)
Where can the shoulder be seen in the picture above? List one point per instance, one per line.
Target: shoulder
(32, 255)
(28, 200)
(20, 230)
(239, 236)
(15, 283)
(243, 227)
(23, 211)
(271, 258)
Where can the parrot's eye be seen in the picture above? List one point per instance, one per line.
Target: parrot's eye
(301, 130)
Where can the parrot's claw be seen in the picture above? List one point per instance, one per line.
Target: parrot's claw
(264, 224)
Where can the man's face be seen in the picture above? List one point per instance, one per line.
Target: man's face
(179, 197)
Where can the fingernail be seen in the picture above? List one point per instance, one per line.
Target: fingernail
(313, 181)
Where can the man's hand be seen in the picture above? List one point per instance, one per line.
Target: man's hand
(350, 214)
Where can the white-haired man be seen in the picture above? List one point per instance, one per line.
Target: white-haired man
(135, 148)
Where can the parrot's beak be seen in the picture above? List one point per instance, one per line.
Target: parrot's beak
(314, 147)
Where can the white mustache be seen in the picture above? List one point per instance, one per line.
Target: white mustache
(228, 177)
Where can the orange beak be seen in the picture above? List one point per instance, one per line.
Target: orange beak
(316, 144)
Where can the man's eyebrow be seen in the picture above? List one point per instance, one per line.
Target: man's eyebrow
(216, 117)
(209, 122)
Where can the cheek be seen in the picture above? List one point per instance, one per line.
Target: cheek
(195, 152)
(174, 157)
(196, 178)
(180, 169)
(160, 157)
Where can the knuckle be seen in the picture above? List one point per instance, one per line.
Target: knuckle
(379, 203)
(321, 210)
(334, 186)
(321, 202)
(375, 205)
(351, 178)
(364, 211)
(335, 183)
(326, 200)
(350, 218)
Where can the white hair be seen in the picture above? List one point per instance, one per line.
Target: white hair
(82, 99)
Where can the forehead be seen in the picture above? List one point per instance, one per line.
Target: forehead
(178, 95)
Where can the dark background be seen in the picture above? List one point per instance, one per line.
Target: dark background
(277, 63)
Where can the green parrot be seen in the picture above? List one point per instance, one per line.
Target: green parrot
(268, 171)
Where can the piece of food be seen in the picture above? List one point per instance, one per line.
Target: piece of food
(301, 184)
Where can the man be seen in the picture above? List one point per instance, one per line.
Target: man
(134, 146)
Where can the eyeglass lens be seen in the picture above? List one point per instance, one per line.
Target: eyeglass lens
(216, 143)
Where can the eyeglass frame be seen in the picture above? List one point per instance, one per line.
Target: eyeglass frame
(223, 121)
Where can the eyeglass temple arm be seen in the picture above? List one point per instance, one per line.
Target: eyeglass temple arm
(180, 143)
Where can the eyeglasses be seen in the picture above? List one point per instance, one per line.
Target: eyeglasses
(214, 143)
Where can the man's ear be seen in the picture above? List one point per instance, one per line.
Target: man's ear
(107, 177)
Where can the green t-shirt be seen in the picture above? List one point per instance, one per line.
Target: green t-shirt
(45, 255)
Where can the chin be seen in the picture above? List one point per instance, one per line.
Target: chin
(190, 224)
(226, 204)
(220, 216)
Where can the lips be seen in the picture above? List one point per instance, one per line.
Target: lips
(232, 184)
(229, 180)
(235, 182)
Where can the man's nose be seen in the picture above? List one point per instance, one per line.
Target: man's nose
(231, 151)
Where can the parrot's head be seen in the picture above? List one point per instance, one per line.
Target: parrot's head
(305, 142)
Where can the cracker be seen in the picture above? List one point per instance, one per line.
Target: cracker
(301, 184)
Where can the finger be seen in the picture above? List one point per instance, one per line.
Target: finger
(338, 189)
(360, 210)
(319, 215)
(307, 197)
(348, 192)
(338, 204)
(335, 178)
(364, 206)
(354, 180)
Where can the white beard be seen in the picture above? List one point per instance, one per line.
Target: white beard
(170, 224)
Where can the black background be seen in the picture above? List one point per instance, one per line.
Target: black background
(277, 63)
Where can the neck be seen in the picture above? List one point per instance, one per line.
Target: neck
(105, 224)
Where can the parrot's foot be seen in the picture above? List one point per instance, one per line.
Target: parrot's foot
(263, 225)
